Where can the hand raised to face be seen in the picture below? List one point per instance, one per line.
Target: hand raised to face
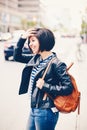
(28, 33)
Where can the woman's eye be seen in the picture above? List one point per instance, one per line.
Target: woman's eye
(33, 40)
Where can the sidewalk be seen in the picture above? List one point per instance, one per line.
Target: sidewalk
(70, 121)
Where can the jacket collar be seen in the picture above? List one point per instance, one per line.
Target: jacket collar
(35, 60)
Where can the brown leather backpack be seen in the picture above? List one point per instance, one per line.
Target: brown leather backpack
(70, 103)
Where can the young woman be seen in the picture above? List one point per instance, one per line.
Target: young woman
(43, 113)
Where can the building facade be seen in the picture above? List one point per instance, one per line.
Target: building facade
(13, 12)
(30, 8)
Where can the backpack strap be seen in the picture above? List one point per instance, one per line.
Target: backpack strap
(70, 66)
(79, 92)
(79, 103)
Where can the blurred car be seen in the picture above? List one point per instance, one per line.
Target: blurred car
(9, 47)
(5, 36)
(68, 36)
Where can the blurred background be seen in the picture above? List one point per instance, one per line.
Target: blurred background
(68, 20)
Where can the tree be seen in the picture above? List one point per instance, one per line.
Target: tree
(84, 27)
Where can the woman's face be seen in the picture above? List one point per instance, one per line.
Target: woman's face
(34, 44)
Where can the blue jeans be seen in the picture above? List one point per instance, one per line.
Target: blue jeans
(42, 119)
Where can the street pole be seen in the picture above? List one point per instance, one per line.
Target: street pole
(7, 16)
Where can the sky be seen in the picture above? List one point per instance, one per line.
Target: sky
(64, 9)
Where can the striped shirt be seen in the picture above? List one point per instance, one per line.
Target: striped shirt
(35, 70)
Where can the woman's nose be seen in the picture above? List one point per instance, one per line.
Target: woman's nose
(30, 44)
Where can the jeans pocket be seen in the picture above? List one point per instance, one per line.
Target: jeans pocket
(53, 116)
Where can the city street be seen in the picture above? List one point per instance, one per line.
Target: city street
(14, 109)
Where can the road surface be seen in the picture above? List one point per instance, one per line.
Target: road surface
(14, 109)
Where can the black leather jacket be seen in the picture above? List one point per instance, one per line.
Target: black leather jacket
(57, 81)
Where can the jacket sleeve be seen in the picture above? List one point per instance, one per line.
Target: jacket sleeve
(18, 56)
(64, 85)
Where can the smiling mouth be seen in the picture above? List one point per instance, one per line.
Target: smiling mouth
(33, 49)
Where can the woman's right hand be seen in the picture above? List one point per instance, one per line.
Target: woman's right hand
(28, 33)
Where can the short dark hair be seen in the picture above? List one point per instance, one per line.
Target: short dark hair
(46, 38)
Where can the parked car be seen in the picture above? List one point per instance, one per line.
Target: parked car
(5, 36)
(9, 47)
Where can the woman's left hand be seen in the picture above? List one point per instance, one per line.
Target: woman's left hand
(40, 83)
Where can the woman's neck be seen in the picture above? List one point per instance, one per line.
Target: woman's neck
(45, 54)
